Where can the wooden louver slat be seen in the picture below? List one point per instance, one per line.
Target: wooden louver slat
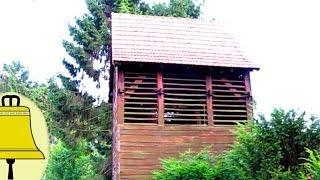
(184, 99)
(140, 98)
(229, 97)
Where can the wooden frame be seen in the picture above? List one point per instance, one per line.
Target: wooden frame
(223, 98)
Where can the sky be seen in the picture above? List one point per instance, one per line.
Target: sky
(282, 37)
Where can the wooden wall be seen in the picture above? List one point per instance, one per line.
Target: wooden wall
(142, 146)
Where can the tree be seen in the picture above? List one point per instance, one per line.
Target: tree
(176, 8)
(15, 78)
(91, 44)
(76, 119)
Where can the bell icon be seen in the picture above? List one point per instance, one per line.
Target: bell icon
(16, 139)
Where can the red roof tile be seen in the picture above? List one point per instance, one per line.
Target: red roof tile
(138, 38)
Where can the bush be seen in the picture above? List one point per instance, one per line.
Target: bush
(70, 162)
(255, 155)
(189, 166)
(271, 149)
(312, 165)
(264, 149)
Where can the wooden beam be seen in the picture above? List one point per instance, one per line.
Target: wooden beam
(248, 92)
(185, 104)
(185, 89)
(160, 104)
(184, 95)
(183, 84)
(120, 99)
(180, 79)
(185, 99)
(115, 131)
(209, 99)
(115, 98)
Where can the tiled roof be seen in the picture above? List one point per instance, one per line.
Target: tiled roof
(154, 39)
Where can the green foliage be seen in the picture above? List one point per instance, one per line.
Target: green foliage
(238, 163)
(290, 129)
(271, 149)
(175, 8)
(15, 78)
(159, 9)
(90, 42)
(255, 155)
(264, 149)
(188, 166)
(124, 7)
(312, 165)
(67, 162)
(184, 8)
(74, 118)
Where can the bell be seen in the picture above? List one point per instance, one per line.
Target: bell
(16, 139)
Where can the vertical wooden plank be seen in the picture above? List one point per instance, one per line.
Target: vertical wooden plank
(120, 99)
(160, 98)
(248, 91)
(115, 95)
(115, 132)
(209, 99)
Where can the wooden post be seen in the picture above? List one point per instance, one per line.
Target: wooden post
(248, 92)
(115, 135)
(120, 99)
(115, 97)
(209, 99)
(160, 98)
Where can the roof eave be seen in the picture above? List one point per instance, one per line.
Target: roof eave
(251, 68)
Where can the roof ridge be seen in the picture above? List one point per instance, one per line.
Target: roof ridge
(204, 20)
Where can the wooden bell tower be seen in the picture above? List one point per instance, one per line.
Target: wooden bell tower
(178, 84)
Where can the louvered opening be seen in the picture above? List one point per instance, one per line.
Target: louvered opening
(140, 98)
(229, 100)
(175, 95)
(184, 99)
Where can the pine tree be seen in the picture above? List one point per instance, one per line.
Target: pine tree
(91, 43)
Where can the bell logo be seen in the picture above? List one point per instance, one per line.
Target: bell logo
(20, 133)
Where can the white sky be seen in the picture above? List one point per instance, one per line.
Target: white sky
(282, 37)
